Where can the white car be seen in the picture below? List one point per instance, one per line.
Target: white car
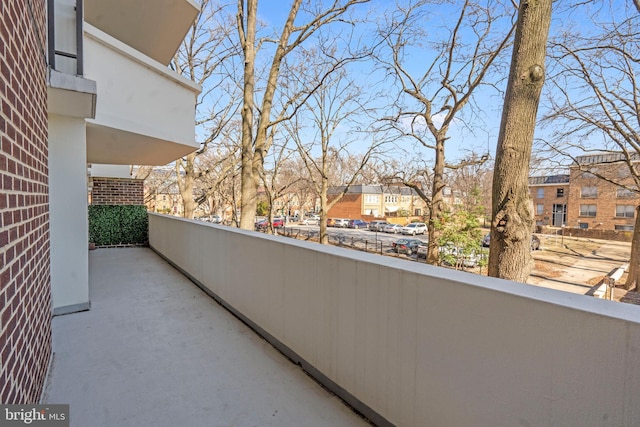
(341, 223)
(414, 228)
(310, 221)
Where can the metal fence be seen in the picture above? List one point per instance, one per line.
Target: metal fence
(381, 247)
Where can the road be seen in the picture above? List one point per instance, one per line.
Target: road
(360, 235)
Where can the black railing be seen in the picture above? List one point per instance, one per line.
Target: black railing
(53, 52)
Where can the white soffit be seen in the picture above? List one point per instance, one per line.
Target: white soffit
(155, 28)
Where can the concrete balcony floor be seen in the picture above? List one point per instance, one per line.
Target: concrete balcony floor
(156, 350)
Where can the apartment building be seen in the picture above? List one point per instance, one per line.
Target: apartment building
(550, 195)
(595, 203)
(376, 201)
(583, 199)
(82, 82)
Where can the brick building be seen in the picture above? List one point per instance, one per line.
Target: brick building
(582, 199)
(550, 195)
(65, 66)
(25, 275)
(375, 201)
(595, 203)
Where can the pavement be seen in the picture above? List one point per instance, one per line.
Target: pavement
(576, 265)
(155, 350)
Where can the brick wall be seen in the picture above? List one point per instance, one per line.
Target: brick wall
(349, 206)
(605, 199)
(117, 191)
(25, 295)
(550, 196)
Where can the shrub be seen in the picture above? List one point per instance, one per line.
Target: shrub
(118, 225)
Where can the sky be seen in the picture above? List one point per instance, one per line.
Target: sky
(478, 131)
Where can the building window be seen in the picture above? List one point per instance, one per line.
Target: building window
(588, 210)
(625, 211)
(589, 192)
(560, 192)
(371, 198)
(391, 199)
(540, 194)
(624, 193)
(583, 225)
(417, 212)
(624, 227)
(539, 209)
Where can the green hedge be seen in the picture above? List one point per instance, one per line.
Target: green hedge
(118, 225)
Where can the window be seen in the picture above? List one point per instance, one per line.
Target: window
(371, 198)
(624, 227)
(417, 212)
(625, 211)
(560, 192)
(391, 199)
(588, 210)
(623, 193)
(589, 192)
(583, 225)
(539, 209)
(540, 194)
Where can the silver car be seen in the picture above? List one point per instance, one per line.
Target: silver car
(392, 228)
(414, 228)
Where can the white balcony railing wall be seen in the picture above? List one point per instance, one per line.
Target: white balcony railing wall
(409, 344)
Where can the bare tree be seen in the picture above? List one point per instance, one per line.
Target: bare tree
(459, 60)
(279, 179)
(512, 218)
(596, 104)
(329, 153)
(206, 57)
(257, 117)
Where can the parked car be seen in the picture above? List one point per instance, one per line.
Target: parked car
(392, 228)
(310, 221)
(377, 225)
(406, 246)
(535, 242)
(414, 228)
(341, 223)
(331, 222)
(264, 224)
(422, 250)
(357, 223)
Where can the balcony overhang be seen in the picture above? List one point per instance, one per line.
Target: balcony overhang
(108, 145)
(153, 28)
(145, 112)
(72, 96)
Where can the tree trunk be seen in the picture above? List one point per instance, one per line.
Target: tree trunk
(324, 237)
(437, 205)
(512, 221)
(633, 275)
(248, 188)
(185, 185)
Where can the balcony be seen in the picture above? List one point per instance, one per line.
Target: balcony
(145, 112)
(406, 344)
(156, 351)
(155, 29)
